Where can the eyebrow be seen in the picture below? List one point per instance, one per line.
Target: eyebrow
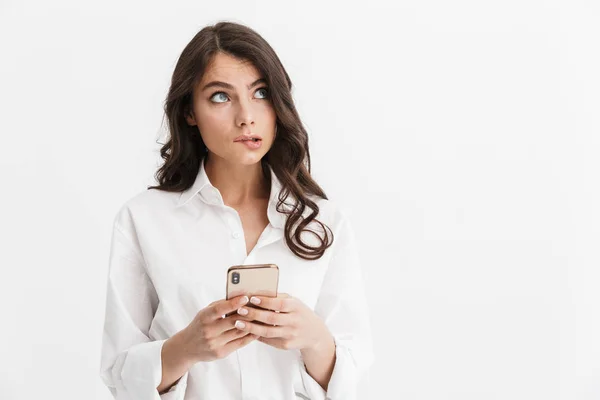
(228, 86)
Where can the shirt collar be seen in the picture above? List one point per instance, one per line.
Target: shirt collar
(209, 193)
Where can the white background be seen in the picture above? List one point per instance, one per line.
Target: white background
(463, 136)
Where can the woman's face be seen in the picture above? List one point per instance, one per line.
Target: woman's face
(228, 102)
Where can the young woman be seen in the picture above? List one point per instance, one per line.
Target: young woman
(235, 189)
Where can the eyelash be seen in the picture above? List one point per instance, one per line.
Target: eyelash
(220, 102)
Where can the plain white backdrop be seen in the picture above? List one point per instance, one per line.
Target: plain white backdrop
(463, 137)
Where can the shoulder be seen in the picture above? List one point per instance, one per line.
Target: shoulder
(338, 218)
(332, 213)
(145, 204)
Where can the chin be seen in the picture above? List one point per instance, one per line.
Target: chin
(246, 159)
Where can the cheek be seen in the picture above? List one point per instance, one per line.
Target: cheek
(213, 124)
(270, 112)
(270, 118)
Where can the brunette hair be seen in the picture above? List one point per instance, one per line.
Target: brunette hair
(289, 156)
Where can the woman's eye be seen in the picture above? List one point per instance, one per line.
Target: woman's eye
(266, 92)
(215, 96)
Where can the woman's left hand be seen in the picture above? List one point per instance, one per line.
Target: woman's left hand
(294, 326)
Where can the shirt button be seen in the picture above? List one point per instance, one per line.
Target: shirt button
(236, 234)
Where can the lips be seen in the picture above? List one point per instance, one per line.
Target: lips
(248, 140)
(250, 137)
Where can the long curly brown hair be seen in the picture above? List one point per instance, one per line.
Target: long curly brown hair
(289, 156)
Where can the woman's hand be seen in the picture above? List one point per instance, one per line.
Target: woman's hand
(290, 324)
(210, 336)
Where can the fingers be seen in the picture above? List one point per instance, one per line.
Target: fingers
(239, 343)
(224, 307)
(229, 341)
(230, 335)
(222, 325)
(264, 330)
(267, 316)
(283, 302)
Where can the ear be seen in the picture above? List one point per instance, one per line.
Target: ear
(189, 117)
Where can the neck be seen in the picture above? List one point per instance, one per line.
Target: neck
(238, 184)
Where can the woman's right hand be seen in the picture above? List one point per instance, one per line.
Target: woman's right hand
(210, 336)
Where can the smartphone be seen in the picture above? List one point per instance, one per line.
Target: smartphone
(254, 279)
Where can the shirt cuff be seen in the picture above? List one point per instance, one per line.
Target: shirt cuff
(343, 382)
(142, 373)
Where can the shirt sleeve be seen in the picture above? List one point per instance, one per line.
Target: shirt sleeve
(131, 363)
(343, 306)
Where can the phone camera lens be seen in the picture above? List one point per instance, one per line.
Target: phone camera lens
(235, 278)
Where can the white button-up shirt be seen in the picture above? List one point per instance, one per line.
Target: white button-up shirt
(169, 257)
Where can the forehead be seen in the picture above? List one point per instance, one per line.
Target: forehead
(224, 67)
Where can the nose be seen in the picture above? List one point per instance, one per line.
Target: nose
(245, 114)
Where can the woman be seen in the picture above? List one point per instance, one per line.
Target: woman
(236, 166)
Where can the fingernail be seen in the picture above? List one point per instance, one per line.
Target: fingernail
(244, 300)
(242, 311)
(239, 324)
(255, 300)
